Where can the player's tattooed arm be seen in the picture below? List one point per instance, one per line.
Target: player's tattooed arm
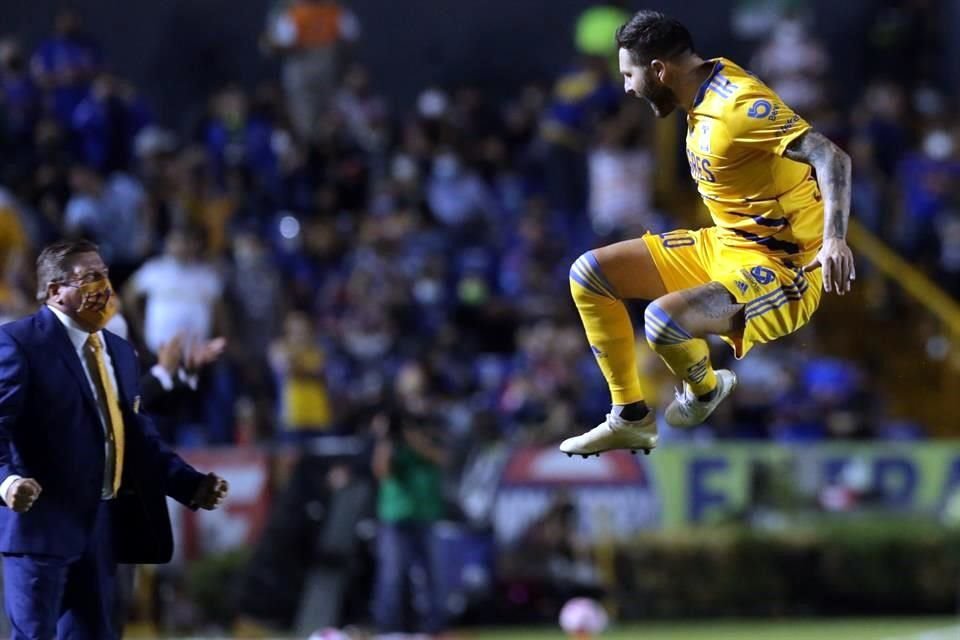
(833, 175)
(833, 169)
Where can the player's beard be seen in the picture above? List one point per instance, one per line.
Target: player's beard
(661, 99)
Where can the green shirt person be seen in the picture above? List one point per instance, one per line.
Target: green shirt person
(408, 464)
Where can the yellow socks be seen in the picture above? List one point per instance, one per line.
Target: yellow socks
(608, 328)
(610, 333)
(687, 357)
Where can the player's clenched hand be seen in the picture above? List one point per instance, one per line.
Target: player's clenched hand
(22, 493)
(836, 260)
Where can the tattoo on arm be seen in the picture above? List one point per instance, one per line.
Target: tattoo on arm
(838, 227)
(833, 175)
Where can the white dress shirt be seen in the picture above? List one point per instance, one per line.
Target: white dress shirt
(180, 298)
(78, 337)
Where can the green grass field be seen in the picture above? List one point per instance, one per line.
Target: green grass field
(804, 629)
(873, 629)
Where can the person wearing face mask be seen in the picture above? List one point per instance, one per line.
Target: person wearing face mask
(83, 473)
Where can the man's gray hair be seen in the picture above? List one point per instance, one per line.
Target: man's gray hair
(54, 263)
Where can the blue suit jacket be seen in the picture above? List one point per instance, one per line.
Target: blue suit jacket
(50, 430)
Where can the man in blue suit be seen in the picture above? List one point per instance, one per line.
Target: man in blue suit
(83, 472)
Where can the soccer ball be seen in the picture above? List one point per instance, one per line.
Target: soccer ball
(583, 617)
(328, 634)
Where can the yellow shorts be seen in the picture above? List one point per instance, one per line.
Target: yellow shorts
(778, 298)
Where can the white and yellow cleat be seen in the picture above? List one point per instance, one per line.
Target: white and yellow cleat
(687, 411)
(614, 433)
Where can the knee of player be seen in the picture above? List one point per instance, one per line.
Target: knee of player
(587, 278)
(662, 327)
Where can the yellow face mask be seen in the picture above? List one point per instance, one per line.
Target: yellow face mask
(98, 303)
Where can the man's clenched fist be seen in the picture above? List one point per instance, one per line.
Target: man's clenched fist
(211, 492)
(22, 494)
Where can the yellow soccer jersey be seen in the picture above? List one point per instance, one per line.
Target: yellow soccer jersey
(737, 132)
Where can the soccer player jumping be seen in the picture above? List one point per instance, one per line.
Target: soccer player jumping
(779, 196)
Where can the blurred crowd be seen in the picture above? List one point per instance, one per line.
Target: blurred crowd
(335, 239)
(309, 259)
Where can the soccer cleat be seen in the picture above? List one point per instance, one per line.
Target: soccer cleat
(614, 433)
(687, 411)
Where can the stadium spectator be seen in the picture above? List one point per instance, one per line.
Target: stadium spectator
(174, 377)
(106, 122)
(793, 64)
(364, 112)
(179, 292)
(407, 461)
(18, 93)
(298, 367)
(14, 246)
(927, 180)
(65, 64)
(456, 194)
(111, 209)
(311, 35)
(621, 172)
(581, 96)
